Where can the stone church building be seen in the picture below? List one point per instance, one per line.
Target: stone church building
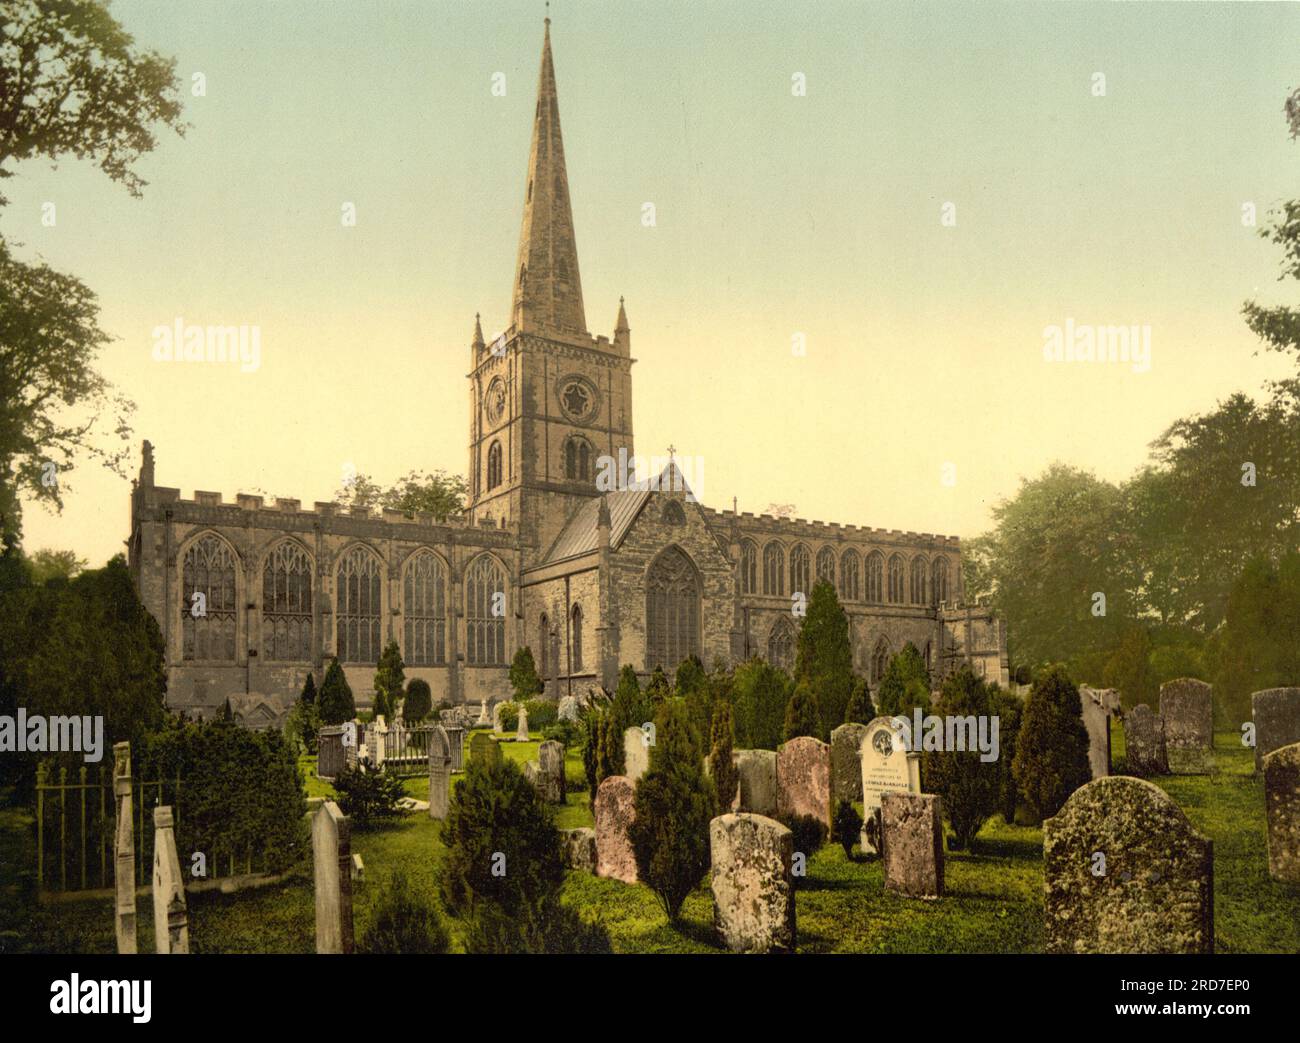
(251, 596)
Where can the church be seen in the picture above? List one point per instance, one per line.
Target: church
(251, 596)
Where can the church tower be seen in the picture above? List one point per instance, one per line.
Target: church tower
(547, 399)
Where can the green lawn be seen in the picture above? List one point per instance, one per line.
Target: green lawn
(993, 902)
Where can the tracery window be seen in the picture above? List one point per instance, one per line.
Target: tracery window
(875, 576)
(780, 645)
(773, 569)
(208, 621)
(286, 603)
(577, 459)
(826, 565)
(939, 585)
(799, 570)
(879, 661)
(920, 570)
(748, 567)
(849, 589)
(494, 465)
(485, 613)
(896, 578)
(359, 607)
(424, 610)
(672, 610)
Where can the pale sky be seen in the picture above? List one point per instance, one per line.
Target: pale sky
(776, 215)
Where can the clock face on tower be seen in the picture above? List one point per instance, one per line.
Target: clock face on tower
(494, 402)
(577, 398)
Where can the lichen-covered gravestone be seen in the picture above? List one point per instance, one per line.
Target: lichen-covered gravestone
(1144, 742)
(803, 779)
(439, 772)
(1125, 872)
(887, 767)
(753, 883)
(1282, 809)
(483, 748)
(579, 848)
(614, 814)
(171, 933)
(1187, 708)
(846, 762)
(549, 774)
(756, 788)
(912, 844)
(636, 752)
(331, 849)
(1276, 714)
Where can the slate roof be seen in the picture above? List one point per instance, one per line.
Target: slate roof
(578, 537)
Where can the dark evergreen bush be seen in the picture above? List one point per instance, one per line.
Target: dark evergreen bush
(847, 826)
(405, 921)
(418, 703)
(366, 795)
(722, 768)
(335, 700)
(968, 785)
(1051, 759)
(802, 713)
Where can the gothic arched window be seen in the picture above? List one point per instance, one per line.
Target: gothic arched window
(849, 589)
(672, 611)
(576, 637)
(875, 576)
(494, 465)
(424, 608)
(826, 565)
(748, 567)
(208, 622)
(359, 607)
(578, 458)
(896, 578)
(485, 613)
(286, 603)
(920, 569)
(879, 661)
(773, 569)
(799, 569)
(939, 585)
(780, 644)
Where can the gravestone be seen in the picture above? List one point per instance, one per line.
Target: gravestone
(483, 717)
(614, 814)
(1125, 872)
(123, 850)
(636, 753)
(911, 827)
(549, 779)
(568, 710)
(756, 787)
(1144, 742)
(803, 779)
(484, 748)
(439, 772)
(1276, 713)
(358, 868)
(752, 881)
(496, 719)
(171, 933)
(331, 850)
(846, 762)
(330, 757)
(887, 767)
(579, 848)
(1096, 706)
(1282, 810)
(1187, 708)
(521, 733)
(456, 743)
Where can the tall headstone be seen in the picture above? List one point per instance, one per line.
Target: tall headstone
(331, 849)
(803, 779)
(331, 757)
(887, 767)
(497, 726)
(1282, 810)
(1276, 714)
(752, 882)
(1125, 872)
(846, 762)
(614, 814)
(1187, 708)
(912, 844)
(123, 850)
(1097, 704)
(756, 789)
(549, 776)
(439, 772)
(484, 748)
(171, 932)
(521, 733)
(636, 753)
(483, 717)
(456, 743)
(1144, 742)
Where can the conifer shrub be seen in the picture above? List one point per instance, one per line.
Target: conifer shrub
(335, 700)
(802, 713)
(404, 921)
(1051, 759)
(846, 826)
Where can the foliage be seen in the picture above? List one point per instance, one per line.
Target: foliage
(1051, 759)
(846, 826)
(905, 686)
(47, 565)
(367, 795)
(803, 716)
(968, 785)
(726, 777)
(631, 705)
(860, 709)
(1257, 647)
(759, 694)
(1010, 710)
(302, 726)
(525, 681)
(809, 833)
(658, 689)
(335, 701)
(418, 703)
(405, 921)
(439, 494)
(308, 694)
(542, 713)
(824, 654)
(390, 676)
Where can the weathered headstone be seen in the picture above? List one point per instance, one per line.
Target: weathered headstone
(124, 850)
(614, 814)
(568, 709)
(1125, 872)
(439, 772)
(549, 779)
(484, 748)
(521, 734)
(456, 742)
(171, 933)
(1276, 715)
(483, 717)
(1187, 708)
(753, 883)
(756, 790)
(1097, 704)
(331, 848)
(636, 753)
(1144, 742)
(579, 848)
(912, 844)
(846, 762)
(887, 767)
(497, 726)
(331, 758)
(803, 779)
(1282, 810)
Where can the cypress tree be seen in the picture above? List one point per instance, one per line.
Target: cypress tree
(1051, 759)
(631, 707)
(968, 785)
(725, 776)
(524, 678)
(308, 689)
(860, 709)
(824, 654)
(419, 701)
(336, 703)
(390, 676)
(906, 684)
(802, 714)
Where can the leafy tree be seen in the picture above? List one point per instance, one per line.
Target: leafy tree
(1051, 759)
(419, 701)
(824, 654)
(846, 826)
(968, 785)
(390, 676)
(405, 921)
(906, 684)
(674, 803)
(802, 714)
(1129, 668)
(524, 679)
(1257, 646)
(760, 692)
(725, 775)
(439, 494)
(860, 710)
(49, 565)
(336, 702)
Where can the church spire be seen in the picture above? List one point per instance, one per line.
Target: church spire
(548, 289)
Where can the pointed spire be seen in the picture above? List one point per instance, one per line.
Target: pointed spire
(478, 332)
(621, 326)
(548, 288)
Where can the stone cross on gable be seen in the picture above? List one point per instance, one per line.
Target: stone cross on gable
(672, 451)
